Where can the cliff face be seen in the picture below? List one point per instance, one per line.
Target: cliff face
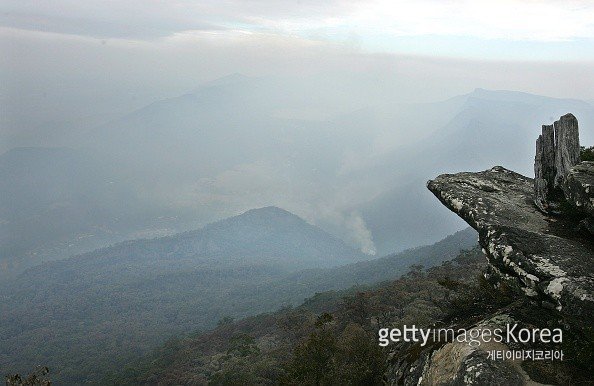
(579, 191)
(543, 255)
(537, 237)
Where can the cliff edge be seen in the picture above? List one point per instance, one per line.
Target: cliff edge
(537, 235)
(546, 256)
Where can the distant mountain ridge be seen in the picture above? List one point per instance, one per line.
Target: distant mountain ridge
(229, 145)
(265, 235)
(254, 229)
(471, 130)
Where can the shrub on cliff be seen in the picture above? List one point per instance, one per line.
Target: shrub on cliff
(587, 153)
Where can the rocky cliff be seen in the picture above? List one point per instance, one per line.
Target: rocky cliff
(537, 237)
(545, 256)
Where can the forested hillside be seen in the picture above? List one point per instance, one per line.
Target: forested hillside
(93, 312)
(330, 339)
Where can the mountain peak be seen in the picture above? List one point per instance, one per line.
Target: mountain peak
(269, 210)
(273, 231)
(266, 215)
(231, 83)
(510, 96)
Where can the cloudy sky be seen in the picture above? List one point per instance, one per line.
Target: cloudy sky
(70, 68)
(67, 65)
(502, 29)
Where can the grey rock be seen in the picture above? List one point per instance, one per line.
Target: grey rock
(567, 147)
(533, 243)
(579, 187)
(544, 167)
(459, 364)
(456, 362)
(540, 254)
(557, 151)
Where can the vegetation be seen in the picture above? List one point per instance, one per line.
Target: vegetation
(92, 315)
(350, 356)
(329, 340)
(587, 153)
(39, 377)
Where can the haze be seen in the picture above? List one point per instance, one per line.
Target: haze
(337, 112)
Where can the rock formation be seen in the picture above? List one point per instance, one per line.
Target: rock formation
(557, 151)
(532, 233)
(579, 191)
(543, 256)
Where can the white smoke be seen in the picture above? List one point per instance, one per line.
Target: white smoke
(260, 184)
(360, 234)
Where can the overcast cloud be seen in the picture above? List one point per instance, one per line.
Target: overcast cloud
(501, 19)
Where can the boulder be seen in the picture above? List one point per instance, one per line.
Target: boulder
(458, 363)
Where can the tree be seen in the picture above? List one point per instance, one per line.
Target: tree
(312, 359)
(242, 345)
(36, 378)
(358, 360)
(587, 153)
(358, 308)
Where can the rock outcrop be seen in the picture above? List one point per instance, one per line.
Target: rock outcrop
(557, 151)
(535, 235)
(579, 187)
(457, 363)
(544, 256)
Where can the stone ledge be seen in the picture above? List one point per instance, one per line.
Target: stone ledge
(545, 255)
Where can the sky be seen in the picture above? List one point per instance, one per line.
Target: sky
(501, 29)
(68, 65)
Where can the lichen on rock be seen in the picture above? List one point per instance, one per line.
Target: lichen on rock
(539, 251)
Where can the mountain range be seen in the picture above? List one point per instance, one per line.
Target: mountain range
(240, 143)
